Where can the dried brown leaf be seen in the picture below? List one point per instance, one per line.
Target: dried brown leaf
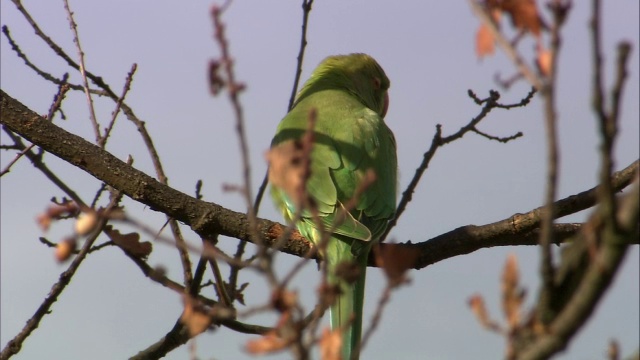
(195, 319)
(64, 249)
(56, 212)
(331, 344)
(485, 43)
(283, 300)
(288, 169)
(44, 221)
(512, 295)
(613, 351)
(327, 293)
(395, 260)
(129, 242)
(544, 60)
(266, 344)
(348, 271)
(524, 15)
(476, 303)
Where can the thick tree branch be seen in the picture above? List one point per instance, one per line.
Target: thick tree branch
(605, 247)
(207, 218)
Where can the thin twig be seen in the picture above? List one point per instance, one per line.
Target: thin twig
(234, 89)
(181, 247)
(178, 335)
(83, 73)
(607, 122)
(438, 141)
(116, 111)
(55, 106)
(40, 165)
(548, 92)
(220, 286)
(306, 10)
(503, 140)
(19, 155)
(93, 248)
(96, 80)
(63, 55)
(14, 345)
(58, 98)
(234, 269)
(45, 75)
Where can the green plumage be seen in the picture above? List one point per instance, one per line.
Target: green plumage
(349, 94)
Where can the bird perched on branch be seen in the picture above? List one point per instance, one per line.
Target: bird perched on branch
(333, 170)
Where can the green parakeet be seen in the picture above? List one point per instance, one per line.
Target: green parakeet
(348, 94)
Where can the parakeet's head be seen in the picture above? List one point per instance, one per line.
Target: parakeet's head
(358, 74)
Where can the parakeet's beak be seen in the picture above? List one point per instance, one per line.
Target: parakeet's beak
(385, 106)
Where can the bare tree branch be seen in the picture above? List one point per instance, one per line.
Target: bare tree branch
(612, 247)
(548, 92)
(83, 72)
(207, 218)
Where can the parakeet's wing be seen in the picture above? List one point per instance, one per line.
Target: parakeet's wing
(349, 140)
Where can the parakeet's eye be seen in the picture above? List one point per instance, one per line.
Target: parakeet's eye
(377, 83)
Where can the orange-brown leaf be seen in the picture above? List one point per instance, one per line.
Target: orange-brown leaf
(283, 300)
(56, 212)
(129, 242)
(194, 319)
(512, 295)
(613, 351)
(485, 43)
(476, 303)
(266, 344)
(524, 15)
(544, 60)
(395, 260)
(64, 249)
(328, 293)
(349, 271)
(288, 169)
(331, 344)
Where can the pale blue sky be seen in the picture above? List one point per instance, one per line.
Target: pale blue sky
(110, 311)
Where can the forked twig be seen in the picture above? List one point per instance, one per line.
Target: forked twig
(119, 101)
(14, 345)
(439, 141)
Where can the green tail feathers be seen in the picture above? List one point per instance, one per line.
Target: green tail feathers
(346, 311)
